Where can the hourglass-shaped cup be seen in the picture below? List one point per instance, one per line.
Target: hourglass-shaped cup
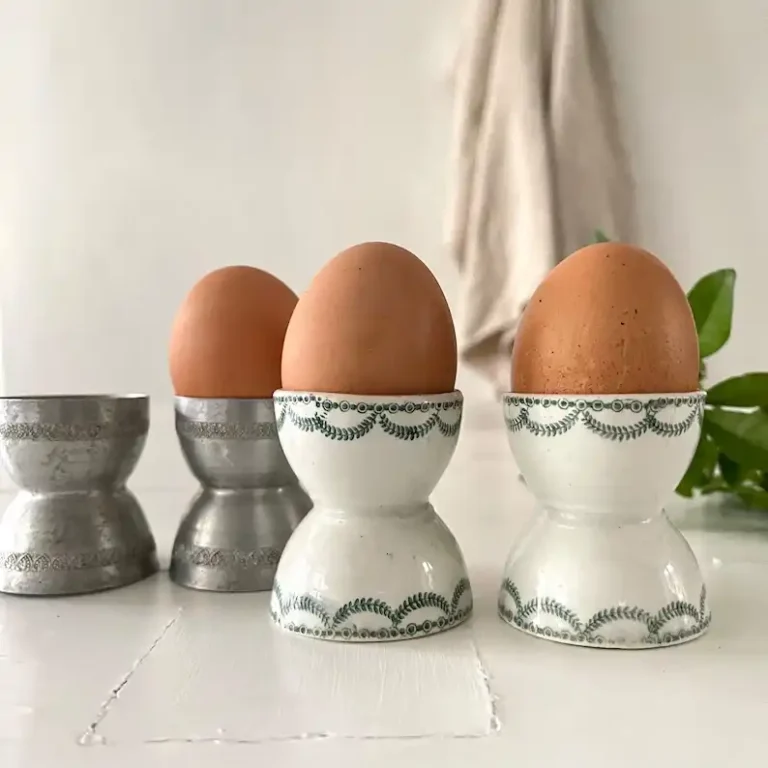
(372, 561)
(73, 527)
(249, 503)
(601, 564)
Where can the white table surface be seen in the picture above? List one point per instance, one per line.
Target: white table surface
(156, 675)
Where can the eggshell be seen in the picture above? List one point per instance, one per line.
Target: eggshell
(227, 337)
(609, 319)
(374, 321)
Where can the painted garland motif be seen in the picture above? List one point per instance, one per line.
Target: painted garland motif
(373, 414)
(340, 625)
(526, 616)
(587, 412)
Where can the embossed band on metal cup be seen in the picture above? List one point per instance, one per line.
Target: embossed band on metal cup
(249, 501)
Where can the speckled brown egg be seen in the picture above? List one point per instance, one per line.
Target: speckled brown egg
(609, 319)
(227, 337)
(374, 321)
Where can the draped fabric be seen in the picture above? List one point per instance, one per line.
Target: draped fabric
(537, 162)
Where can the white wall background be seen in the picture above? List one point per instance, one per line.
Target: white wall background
(692, 80)
(151, 141)
(145, 142)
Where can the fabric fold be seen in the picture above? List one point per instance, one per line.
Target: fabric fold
(537, 163)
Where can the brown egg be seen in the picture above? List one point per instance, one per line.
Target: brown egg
(374, 321)
(227, 338)
(609, 319)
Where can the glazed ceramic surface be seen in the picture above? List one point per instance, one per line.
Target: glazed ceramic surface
(372, 561)
(602, 565)
(73, 527)
(249, 503)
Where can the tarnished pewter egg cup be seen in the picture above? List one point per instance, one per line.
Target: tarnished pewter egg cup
(233, 534)
(601, 565)
(373, 561)
(73, 527)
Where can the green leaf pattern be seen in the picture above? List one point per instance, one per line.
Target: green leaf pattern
(711, 302)
(340, 624)
(445, 417)
(587, 412)
(528, 616)
(750, 390)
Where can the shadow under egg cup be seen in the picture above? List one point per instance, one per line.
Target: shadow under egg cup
(372, 561)
(73, 527)
(249, 503)
(601, 565)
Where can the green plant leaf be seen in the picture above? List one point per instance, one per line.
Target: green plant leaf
(754, 476)
(600, 237)
(700, 470)
(711, 301)
(740, 435)
(716, 485)
(702, 373)
(757, 498)
(746, 391)
(730, 471)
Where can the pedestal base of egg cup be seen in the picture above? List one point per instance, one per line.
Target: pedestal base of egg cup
(372, 561)
(74, 527)
(233, 534)
(601, 565)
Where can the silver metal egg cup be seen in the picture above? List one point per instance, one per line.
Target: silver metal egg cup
(73, 527)
(249, 503)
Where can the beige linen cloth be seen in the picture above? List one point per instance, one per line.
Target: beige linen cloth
(537, 163)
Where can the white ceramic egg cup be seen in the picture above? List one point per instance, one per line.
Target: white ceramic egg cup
(601, 564)
(372, 561)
